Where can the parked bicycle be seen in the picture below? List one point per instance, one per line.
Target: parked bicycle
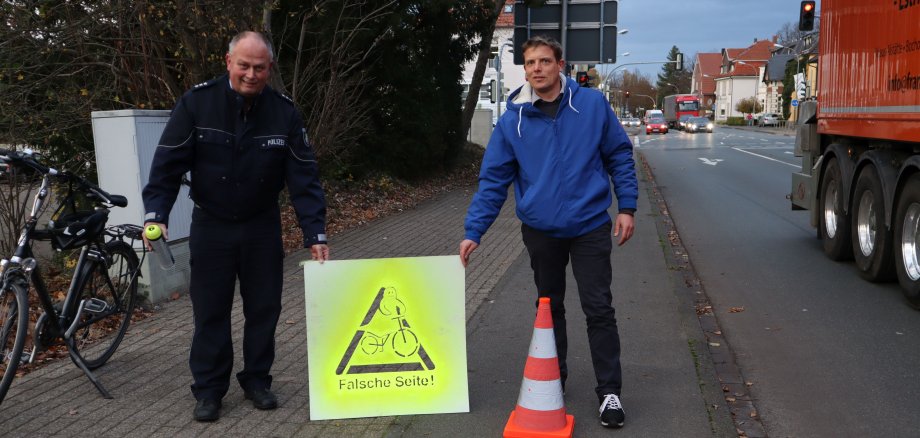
(95, 313)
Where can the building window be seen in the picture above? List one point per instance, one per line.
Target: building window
(509, 9)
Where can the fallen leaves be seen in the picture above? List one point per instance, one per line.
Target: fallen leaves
(736, 309)
(351, 204)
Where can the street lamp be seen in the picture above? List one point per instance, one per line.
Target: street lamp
(654, 104)
(675, 87)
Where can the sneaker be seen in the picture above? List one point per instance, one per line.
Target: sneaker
(611, 411)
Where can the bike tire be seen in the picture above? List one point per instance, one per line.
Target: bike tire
(14, 327)
(99, 333)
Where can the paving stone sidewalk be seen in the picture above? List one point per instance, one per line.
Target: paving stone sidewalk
(149, 375)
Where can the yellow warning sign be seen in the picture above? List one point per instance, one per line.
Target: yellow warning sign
(386, 337)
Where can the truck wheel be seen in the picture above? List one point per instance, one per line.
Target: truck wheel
(834, 225)
(907, 241)
(871, 238)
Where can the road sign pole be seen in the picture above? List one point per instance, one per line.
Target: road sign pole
(564, 27)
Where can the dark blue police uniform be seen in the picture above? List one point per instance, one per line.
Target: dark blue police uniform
(239, 162)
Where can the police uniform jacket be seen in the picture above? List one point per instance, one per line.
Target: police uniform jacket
(239, 162)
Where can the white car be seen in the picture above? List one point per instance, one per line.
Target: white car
(770, 119)
(630, 122)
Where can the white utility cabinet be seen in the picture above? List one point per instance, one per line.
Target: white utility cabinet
(125, 142)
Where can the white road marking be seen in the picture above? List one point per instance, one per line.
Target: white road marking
(711, 162)
(766, 158)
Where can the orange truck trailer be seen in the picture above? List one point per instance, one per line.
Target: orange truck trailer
(859, 140)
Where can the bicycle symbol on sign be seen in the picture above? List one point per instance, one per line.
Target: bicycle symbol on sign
(401, 340)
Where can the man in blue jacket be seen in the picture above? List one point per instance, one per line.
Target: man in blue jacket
(242, 142)
(561, 146)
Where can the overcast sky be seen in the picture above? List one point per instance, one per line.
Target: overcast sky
(695, 26)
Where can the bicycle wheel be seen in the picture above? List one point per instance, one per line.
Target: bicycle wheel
(14, 322)
(109, 291)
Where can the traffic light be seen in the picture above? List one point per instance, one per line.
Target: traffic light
(493, 91)
(680, 61)
(582, 78)
(807, 16)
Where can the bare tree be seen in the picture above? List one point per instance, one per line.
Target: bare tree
(329, 77)
(481, 61)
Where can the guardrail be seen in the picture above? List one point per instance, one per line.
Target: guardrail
(782, 124)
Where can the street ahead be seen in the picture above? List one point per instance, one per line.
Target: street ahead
(825, 353)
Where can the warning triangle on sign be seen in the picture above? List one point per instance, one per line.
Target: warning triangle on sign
(384, 342)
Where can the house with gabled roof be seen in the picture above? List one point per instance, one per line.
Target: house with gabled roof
(740, 76)
(774, 73)
(703, 82)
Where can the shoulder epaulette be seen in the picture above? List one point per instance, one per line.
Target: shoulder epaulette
(284, 96)
(204, 85)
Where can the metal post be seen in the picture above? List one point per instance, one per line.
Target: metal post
(564, 27)
(498, 83)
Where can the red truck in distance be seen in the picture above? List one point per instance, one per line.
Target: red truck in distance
(677, 105)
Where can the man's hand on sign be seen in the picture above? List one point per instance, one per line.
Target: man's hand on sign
(466, 248)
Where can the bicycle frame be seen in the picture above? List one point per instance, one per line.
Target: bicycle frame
(21, 267)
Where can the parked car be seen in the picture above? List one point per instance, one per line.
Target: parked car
(656, 124)
(769, 119)
(698, 124)
(682, 121)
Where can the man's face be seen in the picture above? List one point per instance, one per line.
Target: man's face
(249, 66)
(541, 68)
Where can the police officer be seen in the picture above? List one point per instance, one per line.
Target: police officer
(241, 141)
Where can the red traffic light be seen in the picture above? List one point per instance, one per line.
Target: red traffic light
(807, 16)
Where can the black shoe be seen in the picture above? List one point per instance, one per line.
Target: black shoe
(611, 411)
(262, 399)
(207, 410)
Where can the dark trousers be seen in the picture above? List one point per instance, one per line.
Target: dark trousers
(590, 254)
(222, 252)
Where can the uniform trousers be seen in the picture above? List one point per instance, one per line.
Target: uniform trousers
(590, 255)
(223, 252)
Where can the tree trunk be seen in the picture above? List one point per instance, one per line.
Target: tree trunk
(476, 82)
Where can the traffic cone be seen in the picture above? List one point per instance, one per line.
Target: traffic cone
(540, 410)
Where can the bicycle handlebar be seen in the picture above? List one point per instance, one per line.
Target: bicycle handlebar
(27, 159)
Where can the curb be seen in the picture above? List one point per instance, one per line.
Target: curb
(734, 389)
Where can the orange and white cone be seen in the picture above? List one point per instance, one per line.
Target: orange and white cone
(540, 410)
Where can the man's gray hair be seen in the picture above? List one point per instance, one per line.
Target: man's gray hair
(259, 35)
